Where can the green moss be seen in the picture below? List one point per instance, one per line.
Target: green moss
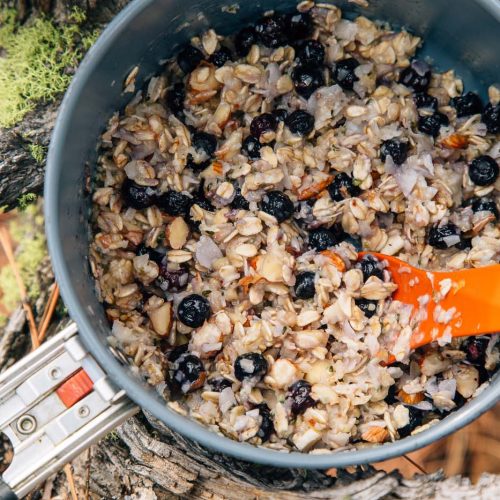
(38, 152)
(31, 250)
(37, 57)
(25, 200)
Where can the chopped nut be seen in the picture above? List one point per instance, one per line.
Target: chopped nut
(177, 233)
(162, 319)
(375, 434)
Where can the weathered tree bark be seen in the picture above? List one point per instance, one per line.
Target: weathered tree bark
(144, 459)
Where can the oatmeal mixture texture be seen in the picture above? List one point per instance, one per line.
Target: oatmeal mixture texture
(232, 197)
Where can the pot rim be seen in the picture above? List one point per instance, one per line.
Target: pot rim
(133, 387)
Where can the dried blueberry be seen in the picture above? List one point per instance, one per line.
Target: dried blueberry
(443, 237)
(415, 420)
(137, 196)
(426, 101)
(355, 241)
(370, 266)
(189, 372)
(396, 149)
(430, 124)
(464, 244)
(322, 238)
(299, 395)
(267, 425)
(239, 201)
(343, 73)
(172, 277)
(175, 99)
(300, 122)
(219, 384)
(188, 58)
(155, 256)
(475, 349)
(369, 307)
(491, 118)
(202, 202)
(391, 399)
(298, 25)
(174, 203)
(244, 40)
(194, 310)
(270, 31)
(280, 114)
(310, 52)
(483, 205)
(277, 204)
(221, 57)
(483, 170)
(416, 76)
(205, 145)
(266, 122)
(250, 365)
(176, 352)
(307, 79)
(251, 147)
(342, 187)
(304, 285)
(467, 104)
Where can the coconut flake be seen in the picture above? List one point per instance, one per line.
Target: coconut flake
(207, 251)
(226, 399)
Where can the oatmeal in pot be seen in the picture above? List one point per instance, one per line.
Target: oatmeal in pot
(232, 197)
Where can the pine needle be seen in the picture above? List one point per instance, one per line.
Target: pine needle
(5, 242)
(419, 467)
(71, 481)
(48, 313)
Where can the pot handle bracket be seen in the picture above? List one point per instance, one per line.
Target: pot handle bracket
(55, 403)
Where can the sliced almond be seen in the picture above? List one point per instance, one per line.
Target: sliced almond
(161, 319)
(177, 233)
(455, 141)
(375, 434)
(411, 399)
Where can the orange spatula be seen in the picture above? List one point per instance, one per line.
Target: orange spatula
(471, 305)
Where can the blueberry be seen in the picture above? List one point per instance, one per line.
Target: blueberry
(300, 122)
(175, 99)
(280, 114)
(172, 277)
(416, 76)
(219, 384)
(176, 352)
(484, 205)
(483, 170)
(267, 425)
(298, 25)
(244, 40)
(343, 73)
(370, 266)
(304, 285)
(322, 238)
(174, 203)
(250, 365)
(266, 122)
(188, 58)
(475, 349)
(396, 149)
(277, 204)
(270, 31)
(194, 310)
(205, 145)
(221, 57)
(310, 52)
(491, 118)
(299, 394)
(307, 79)
(202, 202)
(189, 372)
(137, 196)
(439, 234)
(430, 124)
(251, 147)
(239, 201)
(355, 241)
(464, 244)
(415, 420)
(391, 399)
(342, 187)
(155, 256)
(369, 307)
(423, 100)
(467, 104)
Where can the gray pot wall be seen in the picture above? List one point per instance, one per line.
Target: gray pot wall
(463, 34)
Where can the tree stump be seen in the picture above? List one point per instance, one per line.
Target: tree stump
(143, 458)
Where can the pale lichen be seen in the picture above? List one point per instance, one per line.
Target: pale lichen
(37, 61)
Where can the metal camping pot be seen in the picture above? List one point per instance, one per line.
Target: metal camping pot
(75, 388)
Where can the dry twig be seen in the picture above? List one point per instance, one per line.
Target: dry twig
(48, 312)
